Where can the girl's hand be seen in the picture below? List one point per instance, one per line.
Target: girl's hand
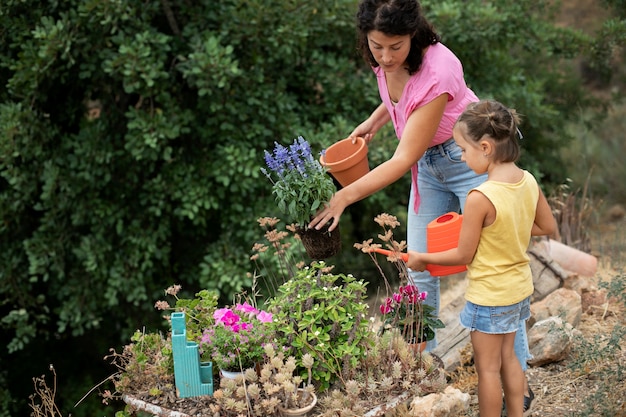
(416, 261)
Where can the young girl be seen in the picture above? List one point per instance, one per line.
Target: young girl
(499, 218)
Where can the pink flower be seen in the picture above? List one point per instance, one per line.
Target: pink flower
(246, 308)
(206, 336)
(264, 317)
(408, 289)
(385, 308)
(413, 298)
(226, 317)
(423, 295)
(246, 326)
(388, 301)
(397, 297)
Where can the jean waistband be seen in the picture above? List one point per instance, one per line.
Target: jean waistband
(440, 148)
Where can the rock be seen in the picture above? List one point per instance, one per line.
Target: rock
(550, 340)
(594, 298)
(450, 402)
(579, 284)
(547, 274)
(563, 303)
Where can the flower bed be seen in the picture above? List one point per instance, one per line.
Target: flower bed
(314, 335)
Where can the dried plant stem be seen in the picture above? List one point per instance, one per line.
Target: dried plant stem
(48, 407)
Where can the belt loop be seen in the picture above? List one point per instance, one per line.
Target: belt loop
(442, 151)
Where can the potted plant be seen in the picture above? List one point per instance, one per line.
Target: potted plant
(301, 187)
(403, 310)
(230, 337)
(276, 390)
(323, 314)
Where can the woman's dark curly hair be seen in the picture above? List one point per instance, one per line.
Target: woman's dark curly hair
(395, 17)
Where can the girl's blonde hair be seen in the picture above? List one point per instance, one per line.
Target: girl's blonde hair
(492, 118)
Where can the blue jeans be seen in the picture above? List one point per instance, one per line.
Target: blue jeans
(443, 181)
(522, 351)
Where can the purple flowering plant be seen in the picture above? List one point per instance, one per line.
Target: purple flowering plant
(235, 341)
(301, 185)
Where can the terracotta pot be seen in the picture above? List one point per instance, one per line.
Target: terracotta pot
(294, 412)
(320, 244)
(417, 347)
(571, 259)
(346, 161)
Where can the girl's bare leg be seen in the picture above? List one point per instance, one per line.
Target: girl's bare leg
(497, 367)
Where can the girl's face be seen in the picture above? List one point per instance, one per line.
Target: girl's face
(390, 51)
(473, 153)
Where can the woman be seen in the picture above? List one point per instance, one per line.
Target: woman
(423, 92)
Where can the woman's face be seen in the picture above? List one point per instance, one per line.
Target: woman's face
(390, 51)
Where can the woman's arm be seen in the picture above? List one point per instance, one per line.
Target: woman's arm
(416, 138)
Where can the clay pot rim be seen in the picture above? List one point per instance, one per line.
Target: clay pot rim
(346, 162)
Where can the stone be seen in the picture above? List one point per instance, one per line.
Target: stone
(549, 340)
(451, 402)
(563, 303)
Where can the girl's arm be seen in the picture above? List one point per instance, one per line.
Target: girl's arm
(478, 213)
(544, 224)
(416, 138)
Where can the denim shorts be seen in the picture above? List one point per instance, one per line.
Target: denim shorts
(495, 320)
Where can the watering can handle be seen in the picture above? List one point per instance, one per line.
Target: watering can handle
(401, 255)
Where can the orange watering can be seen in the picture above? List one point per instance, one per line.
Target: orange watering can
(441, 234)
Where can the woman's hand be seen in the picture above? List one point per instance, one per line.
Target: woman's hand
(364, 131)
(369, 127)
(331, 212)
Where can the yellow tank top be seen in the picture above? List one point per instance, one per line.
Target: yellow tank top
(500, 274)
